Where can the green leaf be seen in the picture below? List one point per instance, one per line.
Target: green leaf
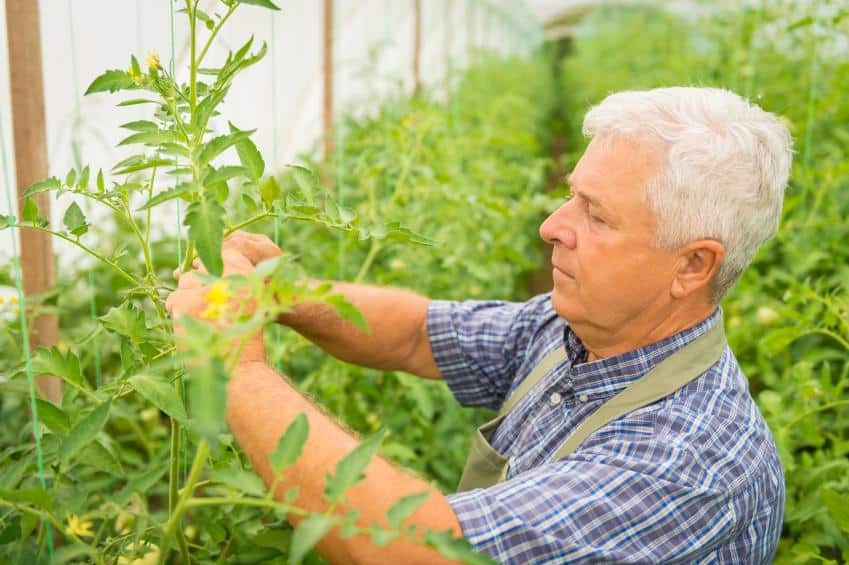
(838, 506)
(35, 496)
(306, 180)
(42, 186)
(456, 548)
(82, 184)
(84, 431)
(140, 483)
(178, 191)
(96, 455)
(206, 108)
(308, 533)
(205, 221)
(347, 311)
(125, 320)
(269, 191)
(381, 536)
(142, 164)
(290, 445)
(404, 508)
(162, 394)
(52, 362)
(349, 470)
(140, 125)
(101, 185)
(249, 156)
(74, 220)
(243, 482)
(30, 213)
(263, 3)
(214, 147)
(6, 221)
(111, 81)
(134, 64)
(53, 417)
(223, 174)
(151, 138)
(70, 178)
(136, 101)
(205, 18)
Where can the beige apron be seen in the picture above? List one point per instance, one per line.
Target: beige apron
(485, 467)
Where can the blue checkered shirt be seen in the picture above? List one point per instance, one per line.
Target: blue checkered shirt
(692, 478)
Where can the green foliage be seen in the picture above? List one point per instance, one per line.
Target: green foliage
(290, 445)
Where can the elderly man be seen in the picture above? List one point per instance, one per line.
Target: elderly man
(625, 429)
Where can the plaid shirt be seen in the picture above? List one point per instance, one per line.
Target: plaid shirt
(694, 477)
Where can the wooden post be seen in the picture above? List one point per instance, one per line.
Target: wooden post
(30, 141)
(328, 78)
(417, 45)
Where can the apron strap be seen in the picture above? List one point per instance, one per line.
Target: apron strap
(671, 374)
(551, 360)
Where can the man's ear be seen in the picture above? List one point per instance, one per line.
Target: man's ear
(698, 263)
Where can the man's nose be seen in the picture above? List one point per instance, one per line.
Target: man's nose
(557, 228)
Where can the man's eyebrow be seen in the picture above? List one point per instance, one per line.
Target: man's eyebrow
(583, 194)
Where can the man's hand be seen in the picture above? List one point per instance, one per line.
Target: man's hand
(217, 304)
(256, 247)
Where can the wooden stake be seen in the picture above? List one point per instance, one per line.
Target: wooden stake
(30, 141)
(417, 45)
(328, 78)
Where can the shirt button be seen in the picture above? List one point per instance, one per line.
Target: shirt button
(555, 398)
(583, 398)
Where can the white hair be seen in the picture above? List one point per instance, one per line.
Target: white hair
(727, 165)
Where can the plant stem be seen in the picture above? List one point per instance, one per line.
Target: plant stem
(190, 255)
(214, 33)
(249, 221)
(193, 69)
(372, 253)
(88, 250)
(185, 496)
(241, 501)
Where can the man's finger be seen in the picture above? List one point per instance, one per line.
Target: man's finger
(189, 280)
(255, 247)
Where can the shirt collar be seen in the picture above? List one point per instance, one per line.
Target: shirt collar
(605, 377)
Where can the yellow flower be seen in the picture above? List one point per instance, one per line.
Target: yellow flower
(79, 528)
(13, 299)
(153, 60)
(2, 300)
(217, 298)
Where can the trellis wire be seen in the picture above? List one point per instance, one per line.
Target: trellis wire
(22, 317)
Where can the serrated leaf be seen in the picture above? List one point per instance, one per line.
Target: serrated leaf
(161, 393)
(249, 156)
(347, 311)
(74, 220)
(52, 362)
(111, 81)
(96, 455)
(144, 164)
(306, 181)
(244, 482)
(263, 3)
(30, 213)
(140, 125)
(125, 320)
(51, 183)
(404, 508)
(269, 191)
(71, 178)
(150, 138)
(82, 184)
(838, 506)
(53, 417)
(224, 174)
(217, 145)
(308, 533)
(206, 108)
(349, 470)
(178, 191)
(84, 431)
(205, 222)
(36, 496)
(290, 445)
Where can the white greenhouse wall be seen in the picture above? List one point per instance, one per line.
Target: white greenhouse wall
(82, 38)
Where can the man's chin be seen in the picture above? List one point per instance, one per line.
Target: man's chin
(564, 307)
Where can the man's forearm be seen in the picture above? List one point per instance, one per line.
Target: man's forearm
(397, 336)
(261, 405)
